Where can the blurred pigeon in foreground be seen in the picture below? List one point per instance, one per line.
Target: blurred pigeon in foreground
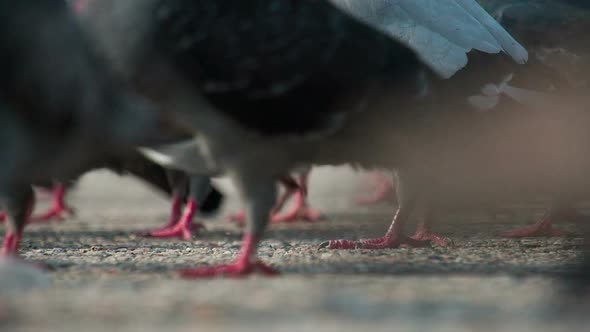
(527, 142)
(184, 188)
(551, 30)
(442, 32)
(61, 106)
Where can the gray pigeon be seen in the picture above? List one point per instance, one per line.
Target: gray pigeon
(268, 86)
(61, 106)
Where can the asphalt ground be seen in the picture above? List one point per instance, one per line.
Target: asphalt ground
(105, 277)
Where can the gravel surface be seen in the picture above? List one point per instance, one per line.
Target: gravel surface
(107, 278)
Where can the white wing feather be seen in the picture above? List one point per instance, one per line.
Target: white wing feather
(185, 156)
(536, 100)
(442, 32)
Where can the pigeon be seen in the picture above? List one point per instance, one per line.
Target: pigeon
(559, 23)
(186, 188)
(413, 23)
(62, 107)
(267, 86)
(129, 161)
(423, 25)
(270, 81)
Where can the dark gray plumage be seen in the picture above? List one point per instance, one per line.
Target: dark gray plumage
(246, 76)
(61, 106)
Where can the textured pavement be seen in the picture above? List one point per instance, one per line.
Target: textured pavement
(107, 278)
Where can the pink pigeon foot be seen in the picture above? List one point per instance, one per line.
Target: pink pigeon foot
(385, 190)
(394, 238)
(246, 264)
(543, 227)
(299, 211)
(424, 233)
(183, 228)
(11, 244)
(539, 229)
(386, 242)
(59, 209)
(175, 215)
(12, 239)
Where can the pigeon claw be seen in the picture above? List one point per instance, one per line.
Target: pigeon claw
(423, 233)
(183, 228)
(304, 213)
(59, 209)
(11, 244)
(245, 264)
(539, 229)
(234, 270)
(544, 227)
(300, 211)
(386, 242)
(181, 231)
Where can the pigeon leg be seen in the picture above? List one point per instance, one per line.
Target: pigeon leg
(245, 264)
(394, 238)
(424, 233)
(18, 206)
(175, 215)
(179, 224)
(301, 209)
(259, 196)
(184, 227)
(291, 187)
(385, 189)
(2, 217)
(59, 208)
(544, 227)
(199, 188)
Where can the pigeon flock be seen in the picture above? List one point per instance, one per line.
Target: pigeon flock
(466, 104)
